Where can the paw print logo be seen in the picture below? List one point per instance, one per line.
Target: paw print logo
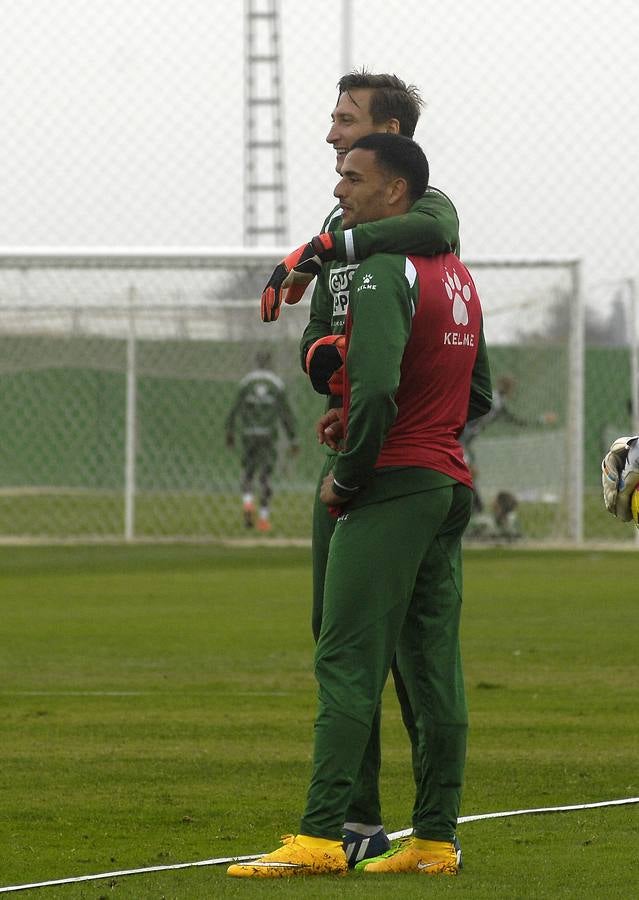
(367, 279)
(460, 295)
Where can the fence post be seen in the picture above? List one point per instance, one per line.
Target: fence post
(575, 463)
(130, 423)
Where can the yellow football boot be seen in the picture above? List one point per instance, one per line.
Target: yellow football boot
(298, 855)
(415, 855)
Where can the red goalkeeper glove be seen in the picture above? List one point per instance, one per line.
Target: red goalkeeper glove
(295, 273)
(325, 364)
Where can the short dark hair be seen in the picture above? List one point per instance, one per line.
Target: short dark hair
(391, 98)
(399, 156)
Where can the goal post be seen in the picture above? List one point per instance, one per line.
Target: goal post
(534, 328)
(119, 367)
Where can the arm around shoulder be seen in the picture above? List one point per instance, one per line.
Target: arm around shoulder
(430, 227)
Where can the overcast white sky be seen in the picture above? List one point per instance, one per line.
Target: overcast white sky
(123, 122)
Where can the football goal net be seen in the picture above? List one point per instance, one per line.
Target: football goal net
(119, 370)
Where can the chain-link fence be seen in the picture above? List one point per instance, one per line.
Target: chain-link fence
(115, 410)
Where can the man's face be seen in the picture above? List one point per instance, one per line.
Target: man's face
(364, 190)
(351, 120)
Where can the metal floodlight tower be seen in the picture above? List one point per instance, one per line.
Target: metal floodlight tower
(265, 200)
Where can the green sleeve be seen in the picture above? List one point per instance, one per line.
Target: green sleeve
(430, 227)
(381, 313)
(481, 394)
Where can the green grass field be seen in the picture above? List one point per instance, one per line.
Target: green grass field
(156, 707)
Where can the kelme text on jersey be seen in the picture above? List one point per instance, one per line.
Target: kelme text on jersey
(457, 339)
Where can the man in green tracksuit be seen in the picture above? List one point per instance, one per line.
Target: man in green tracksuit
(393, 580)
(366, 103)
(259, 408)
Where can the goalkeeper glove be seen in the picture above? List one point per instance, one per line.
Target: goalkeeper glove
(295, 273)
(325, 364)
(620, 476)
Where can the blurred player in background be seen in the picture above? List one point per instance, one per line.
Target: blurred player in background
(502, 520)
(367, 103)
(259, 409)
(403, 494)
(504, 509)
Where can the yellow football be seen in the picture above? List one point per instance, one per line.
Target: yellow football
(634, 506)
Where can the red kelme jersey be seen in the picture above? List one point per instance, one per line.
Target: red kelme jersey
(436, 369)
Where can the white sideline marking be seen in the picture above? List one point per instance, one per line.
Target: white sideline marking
(233, 859)
(523, 812)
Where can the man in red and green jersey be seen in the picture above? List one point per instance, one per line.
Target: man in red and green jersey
(367, 103)
(393, 580)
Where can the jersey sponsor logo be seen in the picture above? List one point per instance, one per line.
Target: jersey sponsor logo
(367, 284)
(458, 339)
(338, 284)
(459, 294)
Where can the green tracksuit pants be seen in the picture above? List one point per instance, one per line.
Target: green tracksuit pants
(393, 587)
(365, 801)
